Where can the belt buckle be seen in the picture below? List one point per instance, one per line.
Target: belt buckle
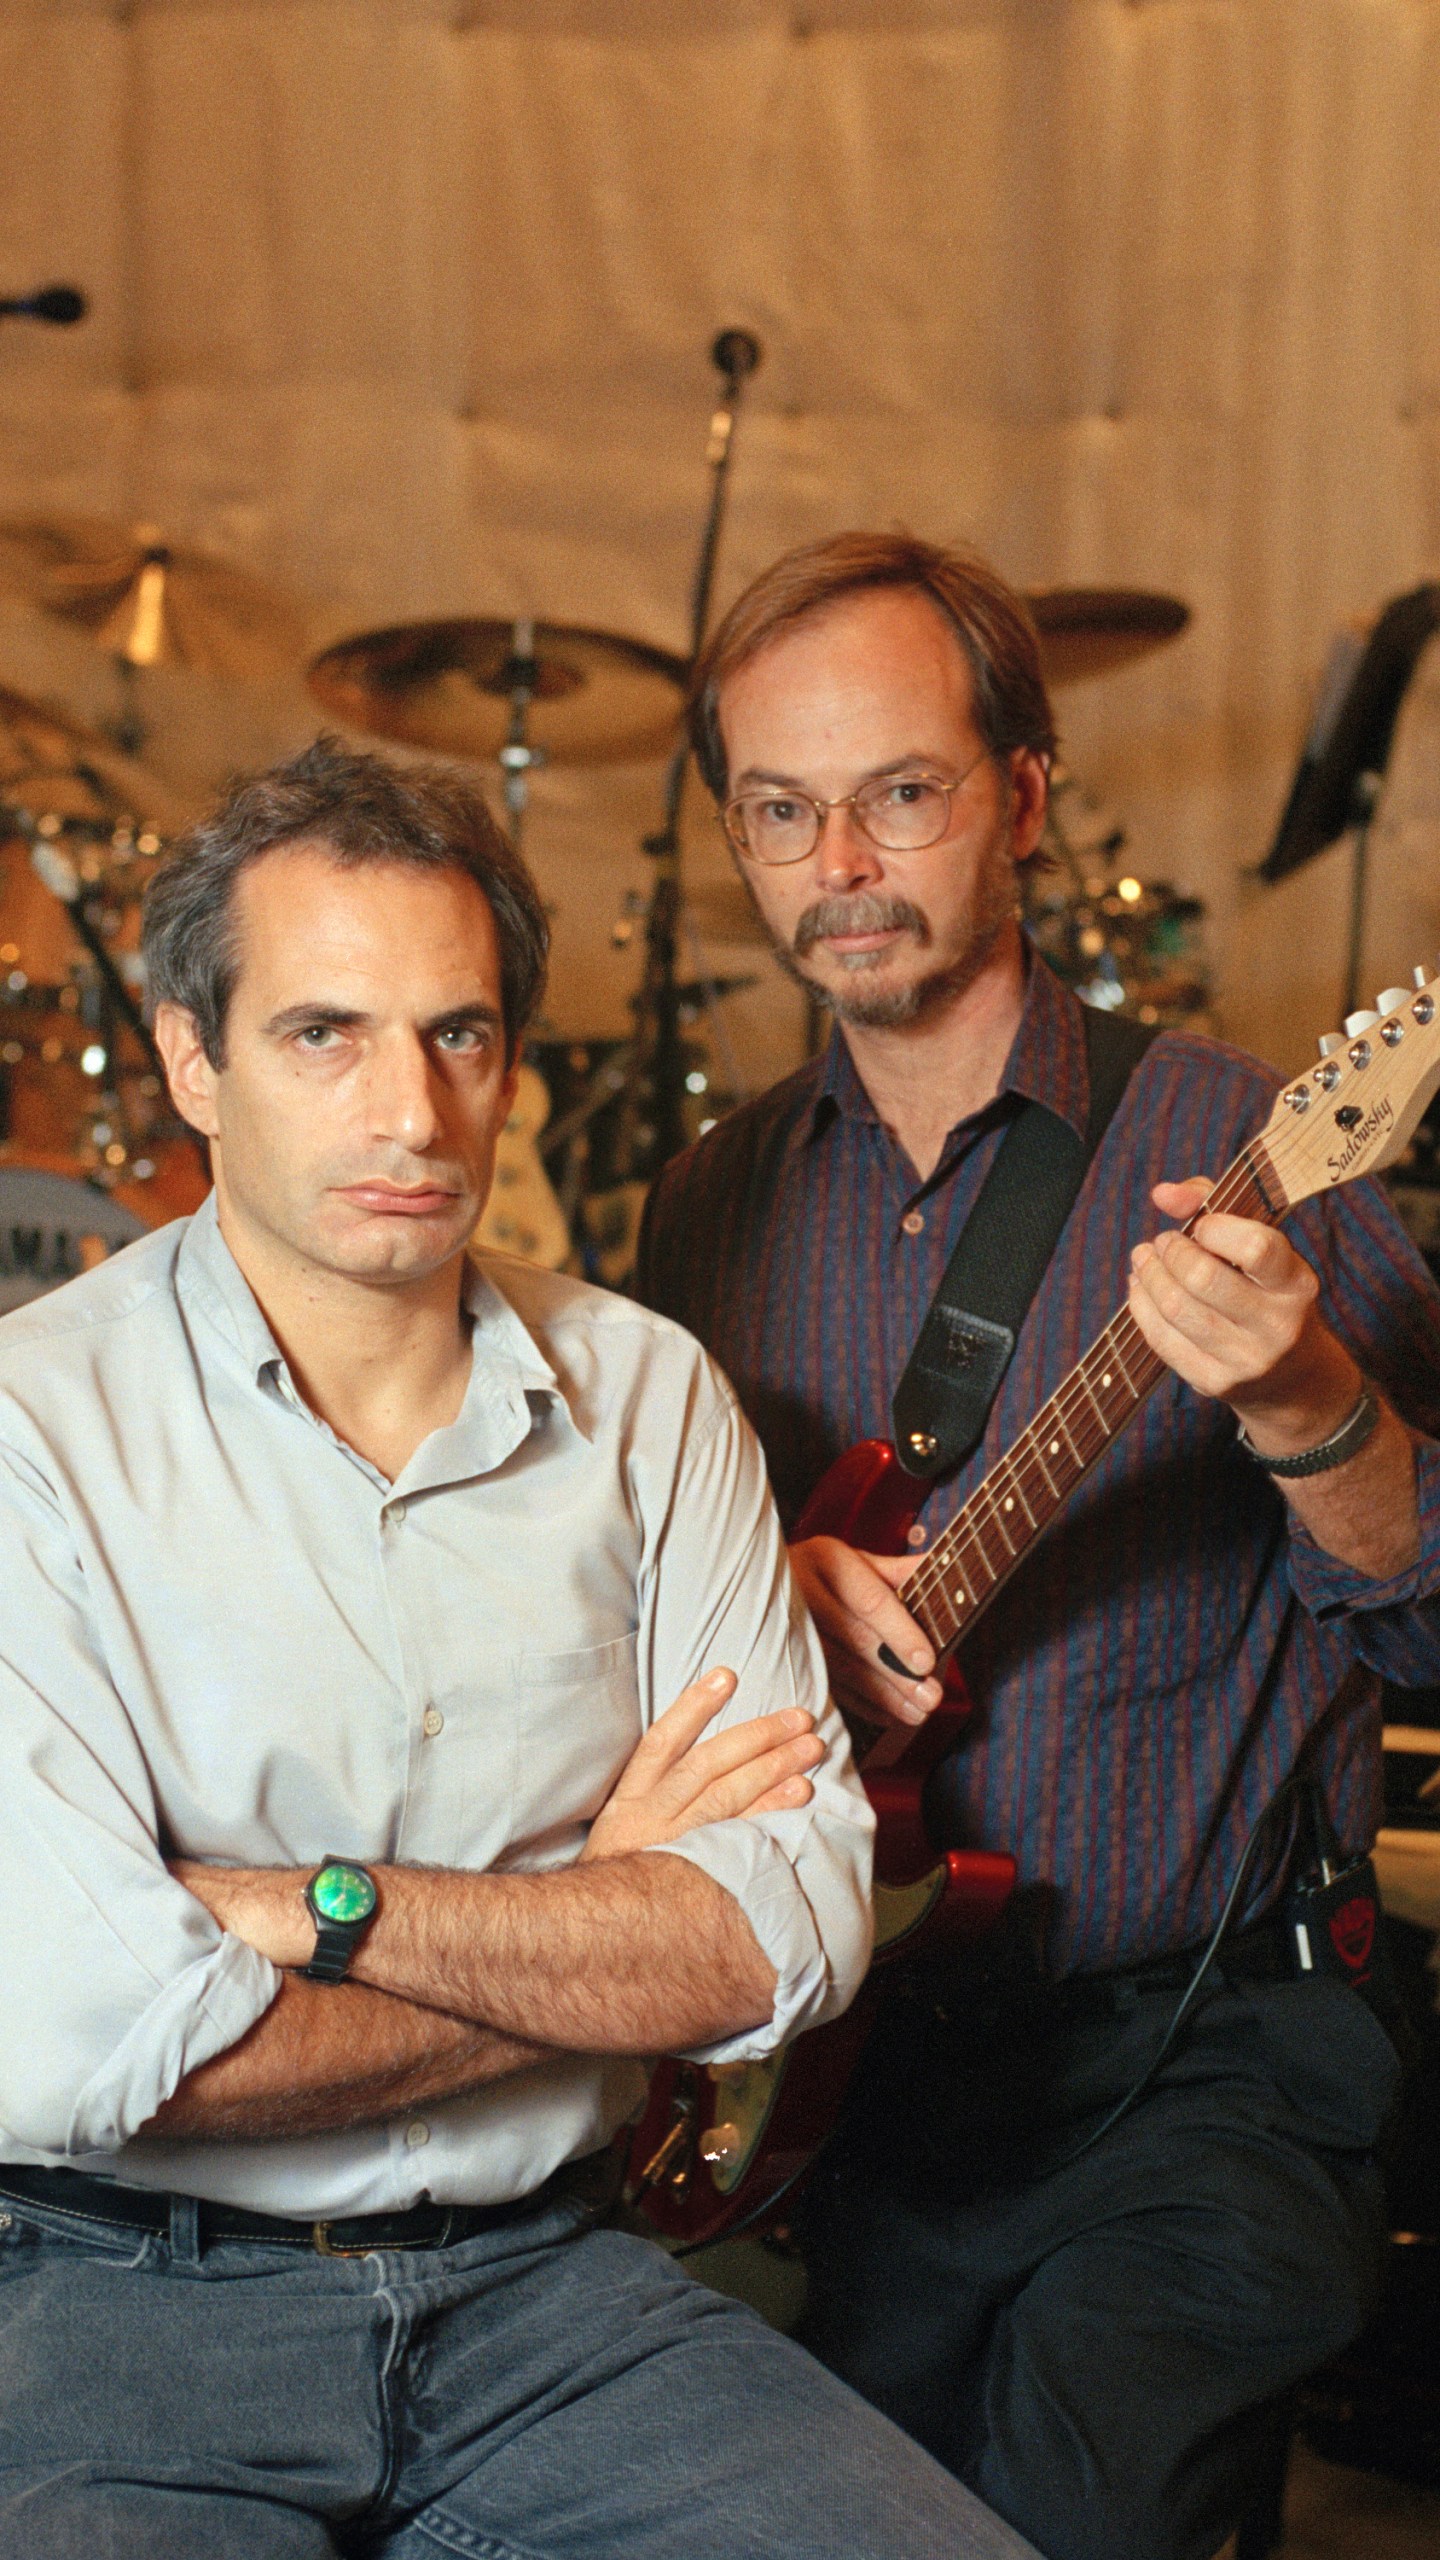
(324, 2247)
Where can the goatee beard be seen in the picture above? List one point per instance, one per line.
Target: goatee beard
(888, 1008)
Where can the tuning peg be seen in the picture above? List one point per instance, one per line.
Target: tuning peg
(1390, 999)
(1418, 975)
(1330, 1041)
(1355, 1023)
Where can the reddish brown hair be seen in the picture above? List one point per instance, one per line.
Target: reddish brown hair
(1011, 705)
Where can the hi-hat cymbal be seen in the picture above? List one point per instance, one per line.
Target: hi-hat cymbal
(597, 698)
(1090, 631)
(152, 602)
(50, 763)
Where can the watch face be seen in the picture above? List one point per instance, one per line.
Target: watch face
(342, 1893)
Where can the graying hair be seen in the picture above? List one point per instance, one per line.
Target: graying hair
(363, 810)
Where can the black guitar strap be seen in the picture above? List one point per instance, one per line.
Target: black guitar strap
(953, 1375)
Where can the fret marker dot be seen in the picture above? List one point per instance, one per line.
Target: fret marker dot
(1009, 1501)
(1105, 1381)
(1054, 1448)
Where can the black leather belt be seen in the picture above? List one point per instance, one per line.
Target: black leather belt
(1261, 1953)
(423, 2226)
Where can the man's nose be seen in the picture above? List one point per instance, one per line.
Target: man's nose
(402, 1093)
(844, 856)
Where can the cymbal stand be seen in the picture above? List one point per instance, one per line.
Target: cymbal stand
(518, 759)
(659, 1055)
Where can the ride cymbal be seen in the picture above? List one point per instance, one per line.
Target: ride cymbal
(595, 697)
(1091, 631)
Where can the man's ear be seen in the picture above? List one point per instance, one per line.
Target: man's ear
(188, 1072)
(1029, 800)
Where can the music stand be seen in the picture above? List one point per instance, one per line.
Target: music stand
(1342, 764)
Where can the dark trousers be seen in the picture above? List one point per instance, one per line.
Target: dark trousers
(1091, 2347)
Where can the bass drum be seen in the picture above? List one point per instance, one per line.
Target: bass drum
(52, 1228)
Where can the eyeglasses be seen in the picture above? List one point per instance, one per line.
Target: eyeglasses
(901, 813)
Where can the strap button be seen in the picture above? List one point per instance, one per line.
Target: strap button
(913, 1223)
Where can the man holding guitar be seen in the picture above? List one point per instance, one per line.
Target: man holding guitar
(1085, 2329)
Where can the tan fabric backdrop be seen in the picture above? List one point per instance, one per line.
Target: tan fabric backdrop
(407, 303)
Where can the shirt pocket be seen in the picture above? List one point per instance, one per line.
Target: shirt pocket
(578, 1721)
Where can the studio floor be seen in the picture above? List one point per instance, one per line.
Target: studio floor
(1334, 2513)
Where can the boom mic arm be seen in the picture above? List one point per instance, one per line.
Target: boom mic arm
(61, 304)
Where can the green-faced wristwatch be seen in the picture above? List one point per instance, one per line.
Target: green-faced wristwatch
(341, 1898)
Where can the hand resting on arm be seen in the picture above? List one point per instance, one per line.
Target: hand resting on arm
(462, 1979)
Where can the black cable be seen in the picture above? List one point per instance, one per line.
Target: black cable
(1191, 1992)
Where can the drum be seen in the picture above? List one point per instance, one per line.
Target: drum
(52, 1228)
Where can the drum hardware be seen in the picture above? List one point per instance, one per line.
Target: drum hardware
(518, 759)
(1121, 942)
(659, 1067)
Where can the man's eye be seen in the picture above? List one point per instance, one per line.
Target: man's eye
(460, 1039)
(778, 813)
(316, 1035)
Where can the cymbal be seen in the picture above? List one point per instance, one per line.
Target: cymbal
(598, 698)
(152, 602)
(51, 763)
(1090, 631)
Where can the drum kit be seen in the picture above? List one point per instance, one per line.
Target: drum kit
(90, 1150)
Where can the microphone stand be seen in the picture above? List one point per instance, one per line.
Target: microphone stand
(659, 1056)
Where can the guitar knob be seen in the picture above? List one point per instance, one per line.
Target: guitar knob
(721, 2145)
(1390, 999)
(1330, 1041)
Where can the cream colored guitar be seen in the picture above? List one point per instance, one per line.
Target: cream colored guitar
(522, 1215)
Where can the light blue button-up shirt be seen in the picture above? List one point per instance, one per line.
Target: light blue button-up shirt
(224, 1635)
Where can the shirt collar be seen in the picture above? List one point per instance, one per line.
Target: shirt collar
(1047, 1063)
(507, 1366)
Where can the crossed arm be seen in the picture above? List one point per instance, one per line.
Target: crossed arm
(463, 1979)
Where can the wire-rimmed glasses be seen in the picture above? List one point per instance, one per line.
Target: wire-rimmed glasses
(899, 812)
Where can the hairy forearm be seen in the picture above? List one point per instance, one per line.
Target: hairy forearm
(1366, 1513)
(634, 1955)
(328, 2056)
(637, 1955)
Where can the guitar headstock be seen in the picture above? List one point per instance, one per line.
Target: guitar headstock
(1356, 1110)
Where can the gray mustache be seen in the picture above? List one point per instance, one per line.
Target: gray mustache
(866, 913)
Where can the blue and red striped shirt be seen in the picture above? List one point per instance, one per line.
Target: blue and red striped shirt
(1152, 1671)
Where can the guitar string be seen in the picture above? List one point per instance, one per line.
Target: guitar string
(1074, 1402)
(1087, 1426)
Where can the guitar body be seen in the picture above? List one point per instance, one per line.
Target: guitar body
(727, 2143)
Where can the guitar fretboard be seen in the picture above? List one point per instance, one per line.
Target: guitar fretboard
(1016, 1502)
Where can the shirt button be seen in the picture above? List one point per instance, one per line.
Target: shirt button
(416, 2136)
(917, 1533)
(913, 1223)
(397, 1513)
(434, 1723)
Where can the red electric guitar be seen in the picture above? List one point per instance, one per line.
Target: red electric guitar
(725, 2144)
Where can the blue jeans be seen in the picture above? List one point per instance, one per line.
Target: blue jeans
(544, 2391)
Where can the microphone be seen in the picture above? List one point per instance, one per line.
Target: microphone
(735, 354)
(61, 304)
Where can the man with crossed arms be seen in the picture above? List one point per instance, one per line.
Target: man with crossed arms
(344, 1586)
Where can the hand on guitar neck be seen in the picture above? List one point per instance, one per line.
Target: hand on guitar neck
(1233, 1309)
(1226, 1303)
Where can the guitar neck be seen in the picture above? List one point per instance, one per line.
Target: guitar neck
(1016, 1502)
